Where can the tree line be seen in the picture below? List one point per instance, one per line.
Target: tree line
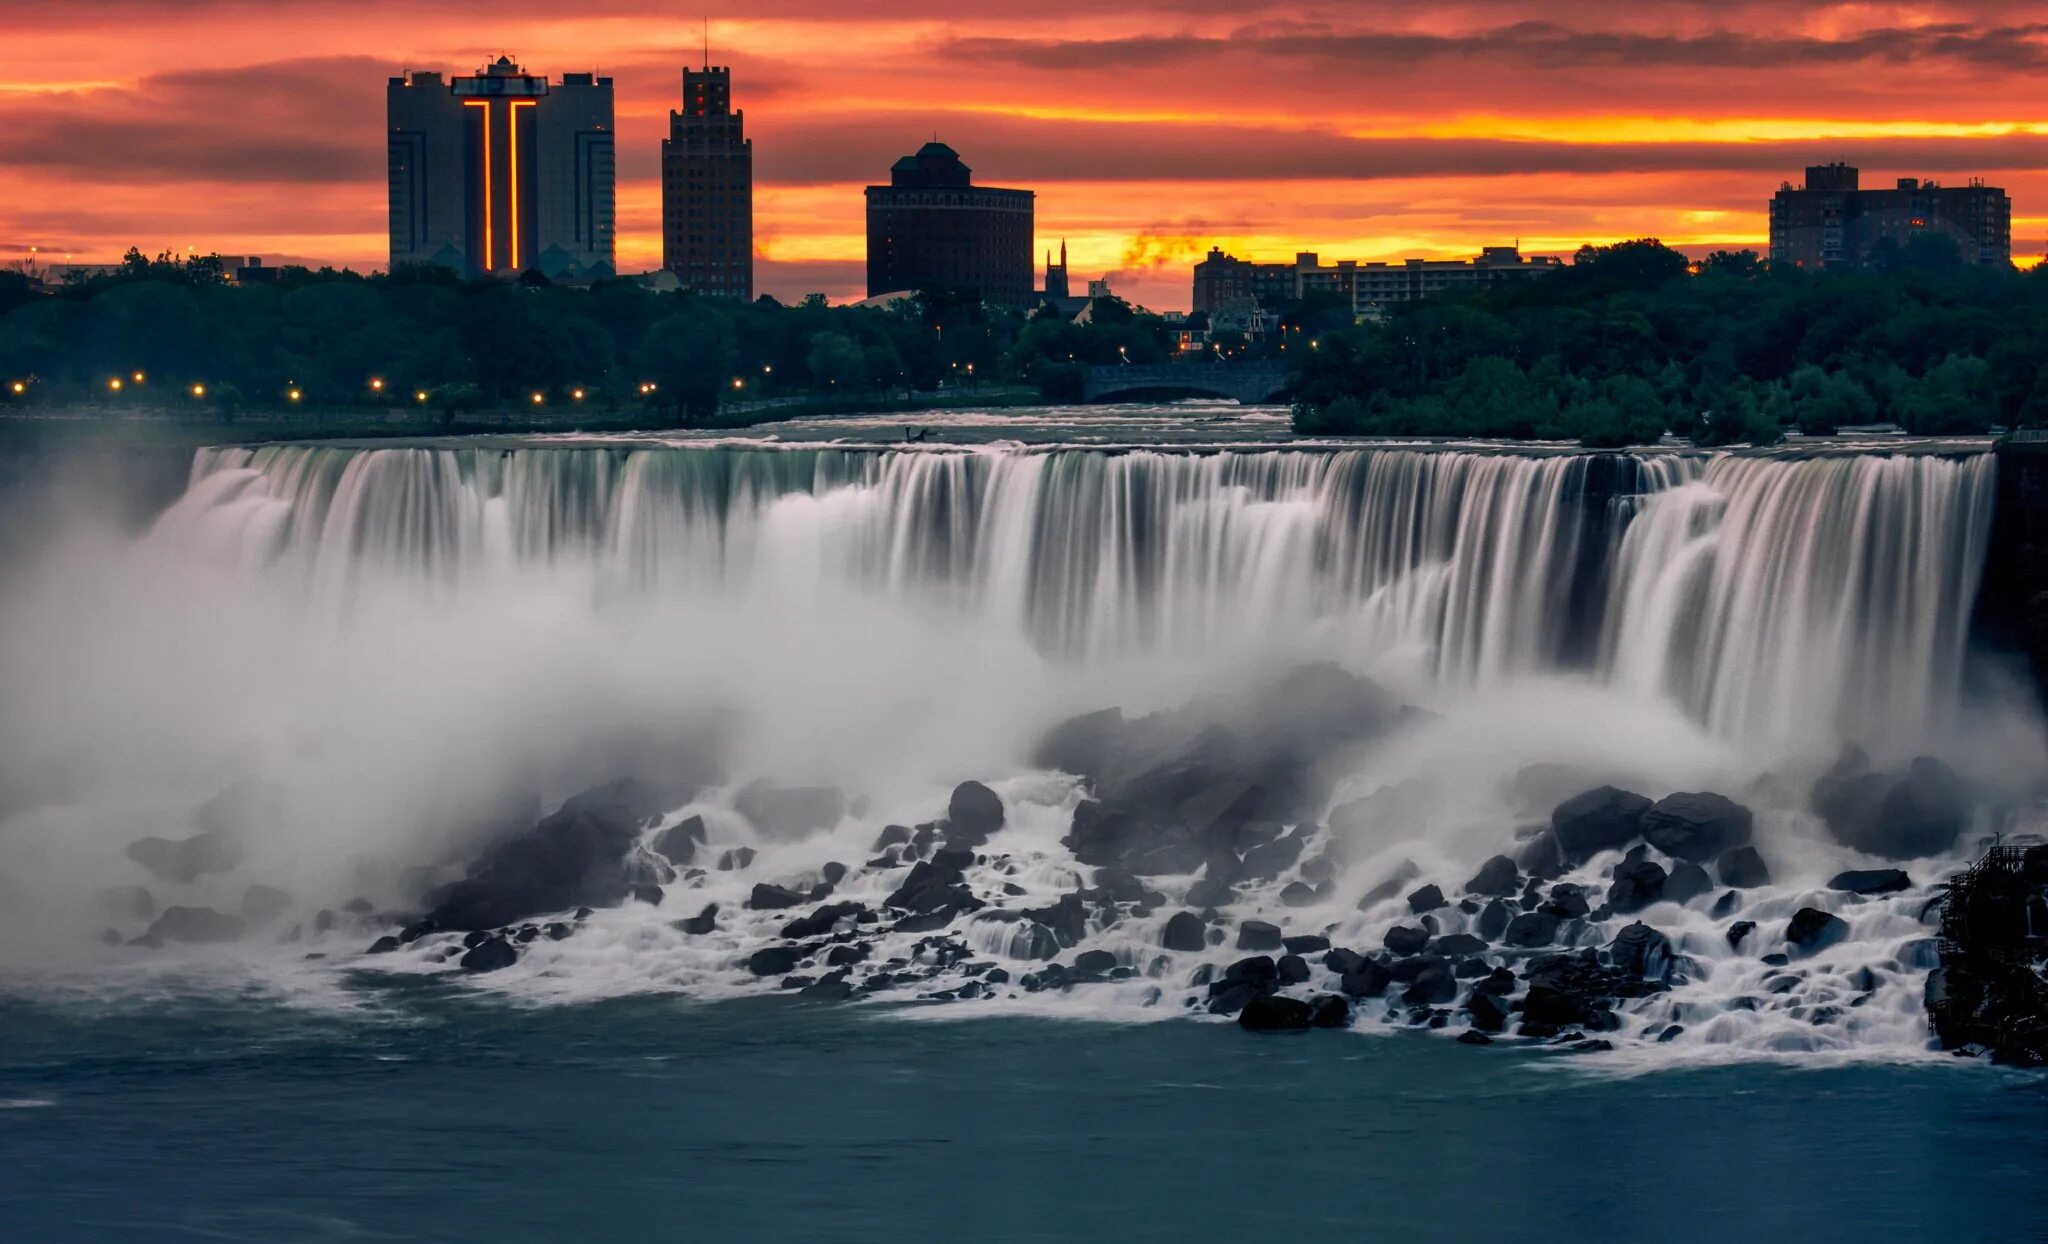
(425, 336)
(1631, 341)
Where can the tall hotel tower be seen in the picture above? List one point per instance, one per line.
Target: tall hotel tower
(501, 172)
(707, 189)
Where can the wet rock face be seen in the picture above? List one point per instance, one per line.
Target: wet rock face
(1898, 816)
(185, 860)
(1697, 827)
(576, 857)
(1812, 930)
(973, 813)
(196, 926)
(1742, 868)
(1601, 819)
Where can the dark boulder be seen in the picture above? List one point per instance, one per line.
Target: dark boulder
(1270, 859)
(891, 836)
(823, 920)
(973, 813)
(1340, 960)
(196, 926)
(1293, 970)
(1742, 868)
(1812, 930)
(1900, 816)
(1740, 930)
(1368, 978)
(1573, 989)
(1542, 856)
(736, 859)
(1433, 986)
(789, 811)
(1643, 952)
(574, 857)
(1530, 929)
(1871, 881)
(1567, 901)
(1697, 826)
(937, 886)
(1299, 894)
(1493, 920)
(490, 955)
(1453, 945)
(679, 842)
(1093, 962)
(1496, 877)
(1185, 931)
(1305, 943)
(1404, 941)
(1258, 935)
(1637, 884)
(1687, 882)
(768, 897)
(1489, 1012)
(1427, 899)
(1329, 1010)
(1601, 819)
(773, 960)
(703, 922)
(1274, 1013)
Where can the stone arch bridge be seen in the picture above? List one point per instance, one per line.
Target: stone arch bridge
(1249, 383)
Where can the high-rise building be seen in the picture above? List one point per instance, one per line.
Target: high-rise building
(1831, 221)
(501, 172)
(932, 227)
(707, 189)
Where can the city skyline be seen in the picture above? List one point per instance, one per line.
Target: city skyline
(1149, 135)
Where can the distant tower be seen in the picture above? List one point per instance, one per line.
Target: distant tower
(1056, 273)
(707, 189)
(501, 171)
(931, 227)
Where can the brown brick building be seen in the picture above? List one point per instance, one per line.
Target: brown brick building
(932, 227)
(707, 189)
(1832, 221)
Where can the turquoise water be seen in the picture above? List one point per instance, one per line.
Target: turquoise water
(437, 1117)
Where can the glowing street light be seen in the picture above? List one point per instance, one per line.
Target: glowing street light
(138, 377)
(738, 383)
(376, 384)
(18, 388)
(292, 394)
(577, 394)
(114, 384)
(537, 399)
(198, 390)
(420, 396)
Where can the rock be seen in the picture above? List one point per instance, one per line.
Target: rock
(1270, 859)
(891, 836)
(789, 811)
(1493, 920)
(263, 903)
(773, 960)
(185, 860)
(1542, 856)
(1726, 905)
(1094, 962)
(773, 898)
(1305, 943)
(1637, 884)
(1274, 1013)
(701, 923)
(1686, 883)
(1185, 931)
(1367, 979)
(1572, 990)
(383, 946)
(937, 886)
(1258, 935)
(1403, 940)
(490, 955)
(1531, 928)
(1567, 901)
(1812, 930)
(1910, 815)
(1871, 881)
(1242, 981)
(679, 842)
(1472, 1036)
(1428, 898)
(1329, 1010)
(574, 857)
(1434, 986)
(1496, 877)
(1643, 952)
(973, 813)
(1742, 868)
(1299, 894)
(823, 920)
(648, 894)
(1696, 827)
(1341, 961)
(196, 926)
(833, 872)
(1489, 1013)
(1452, 945)
(1601, 819)
(736, 859)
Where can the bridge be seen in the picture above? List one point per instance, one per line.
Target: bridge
(1249, 383)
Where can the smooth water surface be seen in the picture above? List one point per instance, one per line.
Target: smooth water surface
(440, 1118)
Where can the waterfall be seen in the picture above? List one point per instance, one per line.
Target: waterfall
(1768, 594)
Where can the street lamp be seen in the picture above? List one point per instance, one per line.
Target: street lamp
(115, 384)
(738, 383)
(292, 394)
(138, 377)
(576, 394)
(376, 384)
(420, 396)
(198, 390)
(537, 399)
(18, 388)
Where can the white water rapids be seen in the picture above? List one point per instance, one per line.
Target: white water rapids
(397, 636)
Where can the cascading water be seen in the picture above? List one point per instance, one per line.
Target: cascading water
(1688, 618)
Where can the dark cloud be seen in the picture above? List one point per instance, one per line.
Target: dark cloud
(1537, 45)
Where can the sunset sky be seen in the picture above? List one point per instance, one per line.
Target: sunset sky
(1367, 131)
